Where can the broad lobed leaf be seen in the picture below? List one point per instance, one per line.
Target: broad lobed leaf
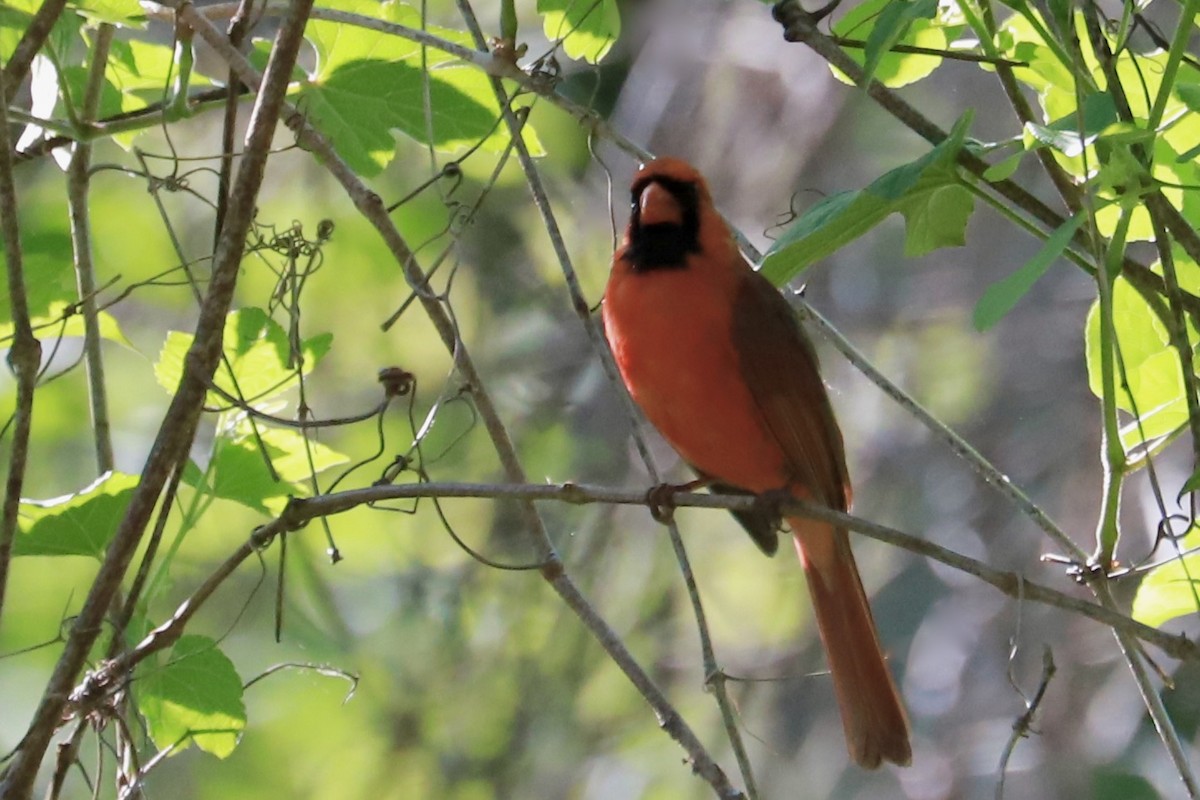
(194, 697)
(927, 192)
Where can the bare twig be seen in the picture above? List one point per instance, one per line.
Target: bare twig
(982, 467)
(1024, 723)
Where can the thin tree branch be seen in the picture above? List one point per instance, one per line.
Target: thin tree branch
(78, 184)
(24, 356)
(179, 424)
(154, 115)
(302, 510)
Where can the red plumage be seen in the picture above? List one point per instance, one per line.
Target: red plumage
(717, 361)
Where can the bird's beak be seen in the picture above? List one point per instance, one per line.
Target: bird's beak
(657, 206)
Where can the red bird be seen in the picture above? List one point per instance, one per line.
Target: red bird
(718, 362)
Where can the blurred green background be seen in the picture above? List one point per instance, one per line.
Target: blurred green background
(476, 683)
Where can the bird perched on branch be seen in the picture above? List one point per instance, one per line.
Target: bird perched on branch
(717, 361)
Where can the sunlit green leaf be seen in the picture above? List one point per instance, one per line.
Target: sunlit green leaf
(14, 21)
(360, 103)
(340, 43)
(80, 524)
(906, 24)
(239, 471)
(255, 367)
(295, 459)
(63, 321)
(1069, 134)
(124, 13)
(195, 696)
(1003, 170)
(1122, 165)
(369, 84)
(1171, 589)
(587, 28)
(145, 69)
(15, 16)
(1164, 421)
(890, 27)
(1151, 366)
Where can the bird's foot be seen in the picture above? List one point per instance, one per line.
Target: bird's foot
(660, 499)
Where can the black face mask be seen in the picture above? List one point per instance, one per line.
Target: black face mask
(664, 245)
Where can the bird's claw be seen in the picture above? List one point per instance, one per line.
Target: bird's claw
(660, 499)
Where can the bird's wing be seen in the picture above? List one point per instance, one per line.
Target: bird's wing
(779, 364)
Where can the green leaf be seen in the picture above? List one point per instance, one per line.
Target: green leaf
(340, 43)
(80, 524)
(1157, 423)
(1189, 93)
(123, 13)
(256, 349)
(46, 254)
(1108, 783)
(14, 21)
(1068, 142)
(1170, 590)
(360, 103)
(15, 16)
(926, 191)
(1003, 170)
(586, 28)
(1000, 297)
(1071, 133)
(890, 27)
(368, 84)
(940, 220)
(903, 22)
(195, 697)
(239, 473)
(1155, 380)
(144, 70)
(291, 454)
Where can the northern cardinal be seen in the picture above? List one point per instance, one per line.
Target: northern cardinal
(717, 361)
